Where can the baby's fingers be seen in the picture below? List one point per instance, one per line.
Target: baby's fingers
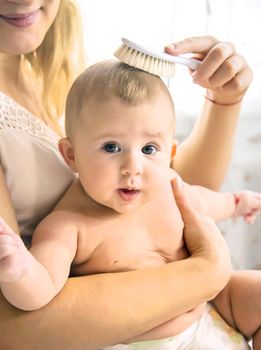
(250, 218)
(7, 246)
(253, 200)
(4, 228)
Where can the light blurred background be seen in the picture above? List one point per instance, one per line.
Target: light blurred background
(159, 22)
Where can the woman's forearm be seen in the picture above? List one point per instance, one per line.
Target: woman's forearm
(203, 159)
(100, 310)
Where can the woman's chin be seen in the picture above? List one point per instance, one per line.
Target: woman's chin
(22, 45)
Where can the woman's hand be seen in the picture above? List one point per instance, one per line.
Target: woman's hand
(223, 72)
(202, 237)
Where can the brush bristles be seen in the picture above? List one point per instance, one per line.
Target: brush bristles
(145, 62)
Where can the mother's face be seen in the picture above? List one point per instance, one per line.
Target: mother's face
(24, 24)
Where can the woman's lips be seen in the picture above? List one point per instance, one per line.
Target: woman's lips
(22, 19)
(127, 194)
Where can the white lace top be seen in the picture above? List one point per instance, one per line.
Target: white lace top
(36, 174)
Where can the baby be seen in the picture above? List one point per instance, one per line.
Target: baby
(120, 213)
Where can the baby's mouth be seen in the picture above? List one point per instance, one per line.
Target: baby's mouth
(128, 194)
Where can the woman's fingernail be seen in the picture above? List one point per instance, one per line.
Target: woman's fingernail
(171, 47)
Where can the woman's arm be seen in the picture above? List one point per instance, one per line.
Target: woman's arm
(99, 310)
(95, 311)
(204, 157)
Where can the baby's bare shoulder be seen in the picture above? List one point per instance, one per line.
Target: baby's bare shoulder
(57, 223)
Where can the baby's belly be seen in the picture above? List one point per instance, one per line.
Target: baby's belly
(172, 327)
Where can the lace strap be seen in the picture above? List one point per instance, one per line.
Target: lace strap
(14, 116)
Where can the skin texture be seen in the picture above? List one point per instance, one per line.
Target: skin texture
(87, 310)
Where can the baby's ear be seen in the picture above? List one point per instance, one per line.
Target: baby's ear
(66, 148)
(174, 149)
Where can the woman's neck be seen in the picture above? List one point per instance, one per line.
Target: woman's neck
(20, 86)
(10, 70)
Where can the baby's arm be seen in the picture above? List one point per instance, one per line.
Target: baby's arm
(29, 280)
(220, 205)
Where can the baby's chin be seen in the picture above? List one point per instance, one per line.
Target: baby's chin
(122, 207)
(125, 209)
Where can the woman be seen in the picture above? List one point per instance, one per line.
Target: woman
(40, 54)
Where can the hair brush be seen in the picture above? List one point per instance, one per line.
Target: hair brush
(149, 60)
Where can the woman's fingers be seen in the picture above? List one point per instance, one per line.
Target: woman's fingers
(202, 237)
(228, 70)
(189, 215)
(223, 72)
(221, 61)
(198, 44)
(200, 232)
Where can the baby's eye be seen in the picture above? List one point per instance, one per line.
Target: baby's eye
(149, 149)
(111, 147)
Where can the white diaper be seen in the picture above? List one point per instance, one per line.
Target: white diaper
(210, 332)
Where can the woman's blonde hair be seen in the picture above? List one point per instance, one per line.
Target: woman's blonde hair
(58, 60)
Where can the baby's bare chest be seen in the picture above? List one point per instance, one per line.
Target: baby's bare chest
(151, 238)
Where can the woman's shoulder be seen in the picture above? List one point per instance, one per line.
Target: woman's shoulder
(16, 119)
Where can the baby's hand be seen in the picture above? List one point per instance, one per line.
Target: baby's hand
(248, 204)
(13, 255)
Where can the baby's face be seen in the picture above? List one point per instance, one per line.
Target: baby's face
(123, 152)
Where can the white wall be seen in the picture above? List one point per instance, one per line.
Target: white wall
(163, 21)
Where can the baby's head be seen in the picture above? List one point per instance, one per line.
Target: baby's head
(108, 80)
(119, 126)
